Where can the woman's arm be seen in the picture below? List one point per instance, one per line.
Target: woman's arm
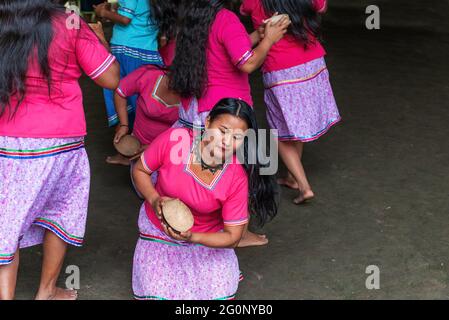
(229, 238)
(121, 106)
(273, 33)
(144, 185)
(142, 180)
(110, 78)
(255, 38)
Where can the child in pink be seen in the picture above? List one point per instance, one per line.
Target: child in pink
(44, 169)
(299, 98)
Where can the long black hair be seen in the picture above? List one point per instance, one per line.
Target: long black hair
(304, 16)
(166, 15)
(25, 26)
(263, 189)
(188, 70)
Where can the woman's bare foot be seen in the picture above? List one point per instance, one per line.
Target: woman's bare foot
(304, 196)
(288, 182)
(118, 159)
(58, 294)
(251, 239)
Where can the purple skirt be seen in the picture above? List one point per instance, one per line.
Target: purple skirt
(44, 185)
(300, 102)
(166, 269)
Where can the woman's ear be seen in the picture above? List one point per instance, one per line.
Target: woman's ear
(207, 123)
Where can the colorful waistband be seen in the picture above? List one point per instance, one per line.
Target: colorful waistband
(41, 153)
(150, 57)
(231, 297)
(297, 80)
(191, 125)
(153, 238)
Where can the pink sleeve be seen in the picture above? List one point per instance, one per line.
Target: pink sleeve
(131, 84)
(235, 208)
(235, 39)
(91, 54)
(320, 5)
(154, 156)
(247, 7)
(169, 148)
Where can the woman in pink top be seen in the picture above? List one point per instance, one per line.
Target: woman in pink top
(214, 55)
(220, 189)
(157, 107)
(44, 170)
(298, 94)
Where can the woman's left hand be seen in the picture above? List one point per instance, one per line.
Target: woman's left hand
(183, 236)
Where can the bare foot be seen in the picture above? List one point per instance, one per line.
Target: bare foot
(58, 294)
(118, 159)
(288, 182)
(251, 239)
(304, 196)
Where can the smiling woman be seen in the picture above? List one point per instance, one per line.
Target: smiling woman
(221, 193)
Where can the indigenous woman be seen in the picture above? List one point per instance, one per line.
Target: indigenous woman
(214, 57)
(221, 191)
(44, 170)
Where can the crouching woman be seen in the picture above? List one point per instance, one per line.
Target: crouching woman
(204, 172)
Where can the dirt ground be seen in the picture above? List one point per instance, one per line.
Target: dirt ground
(381, 176)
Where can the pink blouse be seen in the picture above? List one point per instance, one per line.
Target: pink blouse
(222, 202)
(288, 52)
(229, 47)
(60, 114)
(153, 115)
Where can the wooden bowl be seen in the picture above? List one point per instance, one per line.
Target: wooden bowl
(177, 215)
(128, 146)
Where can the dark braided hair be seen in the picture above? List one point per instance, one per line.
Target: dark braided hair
(188, 71)
(25, 26)
(305, 19)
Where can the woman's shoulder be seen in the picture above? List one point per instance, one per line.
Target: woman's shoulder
(149, 72)
(226, 16)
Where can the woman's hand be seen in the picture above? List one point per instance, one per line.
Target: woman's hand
(120, 132)
(157, 203)
(179, 236)
(102, 9)
(276, 31)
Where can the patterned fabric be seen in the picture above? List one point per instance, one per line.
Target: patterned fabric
(166, 269)
(300, 102)
(44, 186)
(190, 117)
